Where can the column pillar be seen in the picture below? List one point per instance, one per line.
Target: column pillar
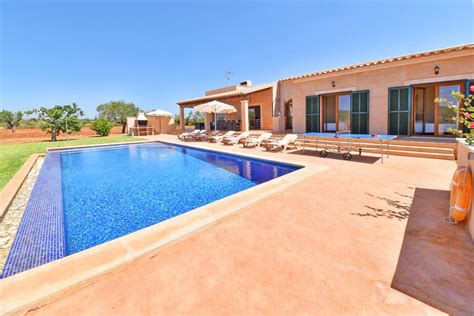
(207, 121)
(244, 108)
(181, 117)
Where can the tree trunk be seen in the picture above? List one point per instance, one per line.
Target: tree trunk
(53, 135)
(13, 129)
(124, 125)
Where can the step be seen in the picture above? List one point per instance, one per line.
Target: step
(409, 151)
(415, 154)
(450, 151)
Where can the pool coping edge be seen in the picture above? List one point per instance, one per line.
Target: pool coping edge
(24, 291)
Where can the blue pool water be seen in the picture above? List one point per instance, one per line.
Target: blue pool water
(108, 193)
(86, 197)
(354, 136)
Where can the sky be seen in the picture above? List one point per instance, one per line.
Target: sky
(155, 53)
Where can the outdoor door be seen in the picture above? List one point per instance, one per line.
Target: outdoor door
(399, 105)
(360, 112)
(445, 112)
(429, 117)
(254, 117)
(312, 113)
(289, 114)
(329, 113)
(424, 110)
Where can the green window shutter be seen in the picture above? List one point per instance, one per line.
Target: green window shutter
(309, 110)
(360, 112)
(312, 114)
(399, 110)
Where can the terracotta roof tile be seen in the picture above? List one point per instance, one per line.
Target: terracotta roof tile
(241, 91)
(383, 61)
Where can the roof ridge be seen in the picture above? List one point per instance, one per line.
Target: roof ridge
(382, 61)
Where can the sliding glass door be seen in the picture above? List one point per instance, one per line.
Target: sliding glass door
(446, 113)
(344, 113)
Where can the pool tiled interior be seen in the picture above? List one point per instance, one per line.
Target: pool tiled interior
(11, 220)
(40, 236)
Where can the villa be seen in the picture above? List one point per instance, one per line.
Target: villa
(265, 218)
(389, 96)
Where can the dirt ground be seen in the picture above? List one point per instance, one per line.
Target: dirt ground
(30, 135)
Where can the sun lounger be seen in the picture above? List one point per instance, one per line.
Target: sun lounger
(282, 144)
(235, 139)
(218, 138)
(197, 136)
(256, 141)
(185, 135)
(206, 136)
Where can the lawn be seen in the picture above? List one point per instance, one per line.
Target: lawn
(13, 156)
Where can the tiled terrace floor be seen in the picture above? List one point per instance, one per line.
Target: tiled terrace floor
(332, 244)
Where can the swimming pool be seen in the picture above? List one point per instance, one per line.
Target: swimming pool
(85, 197)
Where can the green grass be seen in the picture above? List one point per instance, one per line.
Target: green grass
(13, 156)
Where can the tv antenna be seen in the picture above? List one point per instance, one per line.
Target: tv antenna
(228, 74)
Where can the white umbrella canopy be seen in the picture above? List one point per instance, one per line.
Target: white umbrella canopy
(215, 107)
(159, 113)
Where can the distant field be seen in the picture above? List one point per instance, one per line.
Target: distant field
(13, 156)
(30, 135)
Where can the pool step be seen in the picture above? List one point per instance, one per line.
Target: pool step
(432, 150)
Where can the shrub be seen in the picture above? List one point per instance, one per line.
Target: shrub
(101, 126)
(464, 113)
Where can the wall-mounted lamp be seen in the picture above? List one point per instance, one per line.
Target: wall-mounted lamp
(333, 84)
(436, 69)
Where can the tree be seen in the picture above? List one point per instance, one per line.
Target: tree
(11, 119)
(118, 111)
(61, 118)
(177, 119)
(101, 126)
(27, 114)
(187, 120)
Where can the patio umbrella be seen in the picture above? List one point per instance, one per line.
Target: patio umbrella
(215, 107)
(159, 113)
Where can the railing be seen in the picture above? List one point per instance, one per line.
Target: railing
(226, 125)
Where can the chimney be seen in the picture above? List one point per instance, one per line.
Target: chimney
(246, 83)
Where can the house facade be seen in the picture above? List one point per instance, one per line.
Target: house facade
(389, 96)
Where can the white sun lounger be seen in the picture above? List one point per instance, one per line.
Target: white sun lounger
(205, 136)
(256, 141)
(235, 139)
(219, 138)
(197, 136)
(184, 135)
(282, 144)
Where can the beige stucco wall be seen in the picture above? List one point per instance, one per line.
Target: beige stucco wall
(377, 79)
(263, 98)
(161, 124)
(463, 151)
